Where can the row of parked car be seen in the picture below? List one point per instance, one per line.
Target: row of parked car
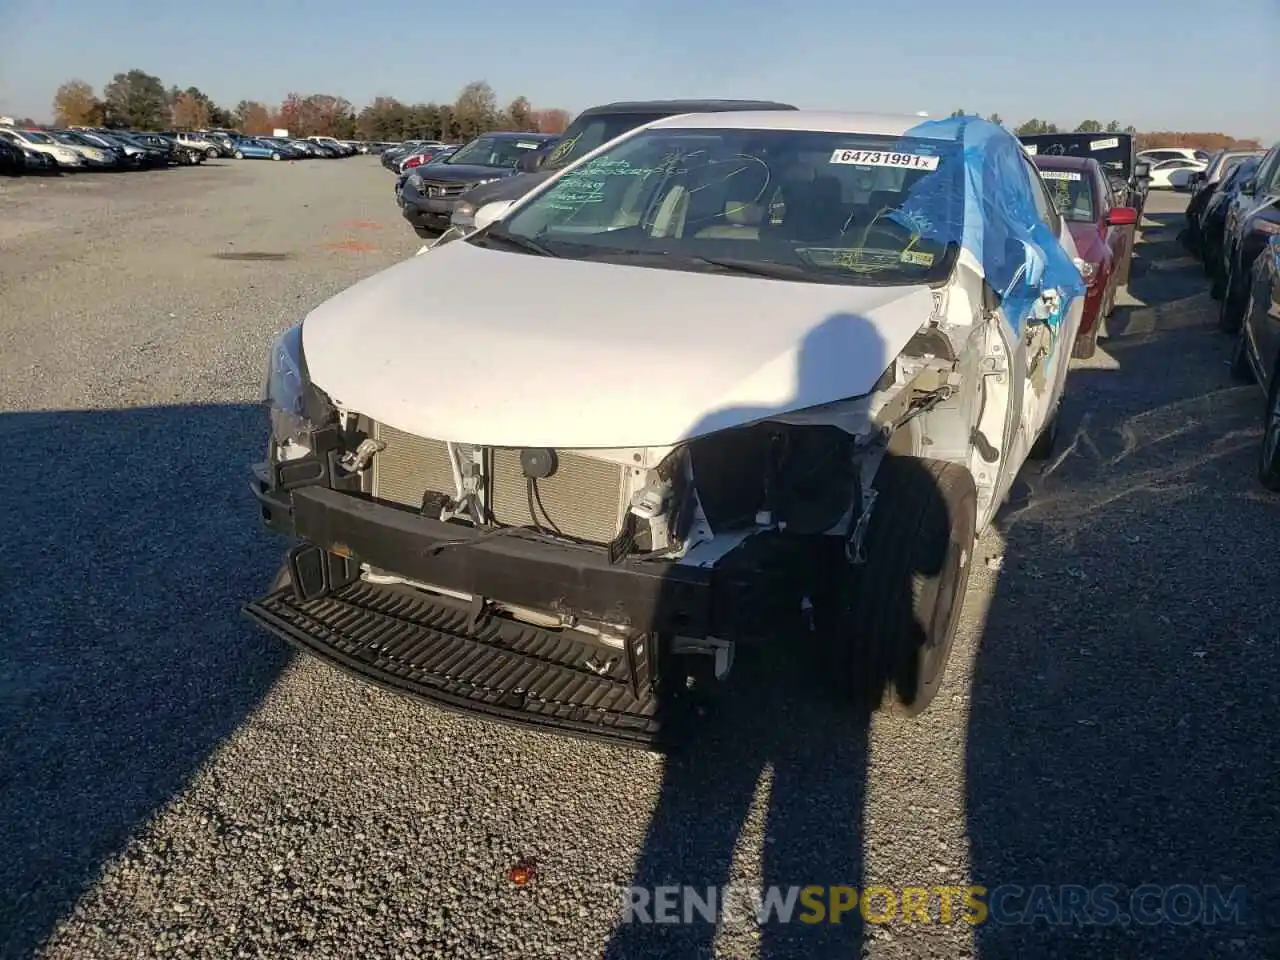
(45, 151)
(232, 143)
(1233, 227)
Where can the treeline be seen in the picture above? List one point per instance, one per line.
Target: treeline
(136, 100)
(1145, 141)
(139, 101)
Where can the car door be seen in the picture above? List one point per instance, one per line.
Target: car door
(1267, 320)
(1071, 313)
(1248, 196)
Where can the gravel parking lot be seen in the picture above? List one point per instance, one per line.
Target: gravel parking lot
(173, 782)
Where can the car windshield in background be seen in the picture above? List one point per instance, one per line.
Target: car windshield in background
(1071, 193)
(821, 207)
(1113, 152)
(36, 137)
(1230, 163)
(495, 151)
(579, 140)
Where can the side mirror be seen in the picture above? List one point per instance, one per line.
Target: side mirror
(1249, 187)
(1142, 170)
(531, 162)
(491, 212)
(1122, 216)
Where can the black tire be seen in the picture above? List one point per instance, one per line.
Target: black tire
(212, 153)
(896, 617)
(1045, 444)
(1241, 370)
(239, 154)
(1230, 309)
(275, 156)
(1217, 278)
(1269, 452)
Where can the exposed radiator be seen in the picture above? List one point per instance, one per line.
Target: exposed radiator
(585, 498)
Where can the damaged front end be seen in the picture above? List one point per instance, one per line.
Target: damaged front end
(591, 591)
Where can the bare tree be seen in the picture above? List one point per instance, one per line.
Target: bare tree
(76, 105)
(476, 109)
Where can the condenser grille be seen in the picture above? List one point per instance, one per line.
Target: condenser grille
(585, 498)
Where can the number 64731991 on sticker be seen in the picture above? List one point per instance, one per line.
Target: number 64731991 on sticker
(883, 158)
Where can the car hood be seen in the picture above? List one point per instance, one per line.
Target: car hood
(461, 171)
(571, 354)
(511, 188)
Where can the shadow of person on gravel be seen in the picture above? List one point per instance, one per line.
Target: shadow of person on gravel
(788, 720)
(1121, 752)
(131, 541)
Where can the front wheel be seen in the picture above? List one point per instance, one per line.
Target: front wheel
(1241, 369)
(275, 156)
(212, 153)
(1230, 309)
(896, 616)
(239, 154)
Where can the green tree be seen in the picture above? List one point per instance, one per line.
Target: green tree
(1035, 126)
(996, 119)
(958, 113)
(1089, 126)
(1113, 126)
(136, 100)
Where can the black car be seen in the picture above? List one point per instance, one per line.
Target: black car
(427, 199)
(1256, 358)
(590, 129)
(1213, 217)
(1204, 185)
(1252, 218)
(1116, 153)
(12, 160)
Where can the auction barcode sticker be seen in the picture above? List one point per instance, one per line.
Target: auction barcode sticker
(1031, 148)
(526, 145)
(1104, 144)
(881, 158)
(1060, 175)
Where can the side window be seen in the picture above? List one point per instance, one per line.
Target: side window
(1102, 192)
(1044, 203)
(1269, 172)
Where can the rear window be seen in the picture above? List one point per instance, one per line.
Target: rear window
(1071, 193)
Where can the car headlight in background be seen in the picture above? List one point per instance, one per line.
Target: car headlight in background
(66, 156)
(464, 214)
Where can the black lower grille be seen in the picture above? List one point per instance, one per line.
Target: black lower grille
(429, 647)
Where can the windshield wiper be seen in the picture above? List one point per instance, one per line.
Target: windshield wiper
(758, 268)
(520, 243)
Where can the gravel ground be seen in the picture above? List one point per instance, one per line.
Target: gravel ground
(174, 782)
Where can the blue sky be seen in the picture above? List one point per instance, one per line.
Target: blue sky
(1052, 61)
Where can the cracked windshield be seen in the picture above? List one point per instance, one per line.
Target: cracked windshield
(826, 207)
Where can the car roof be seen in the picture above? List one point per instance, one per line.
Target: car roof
(511, 135)
(684, 106)
(825, 121)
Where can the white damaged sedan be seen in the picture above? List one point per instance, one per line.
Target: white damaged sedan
(726, 376)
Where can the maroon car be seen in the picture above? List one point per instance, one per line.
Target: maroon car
(1101, 233)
